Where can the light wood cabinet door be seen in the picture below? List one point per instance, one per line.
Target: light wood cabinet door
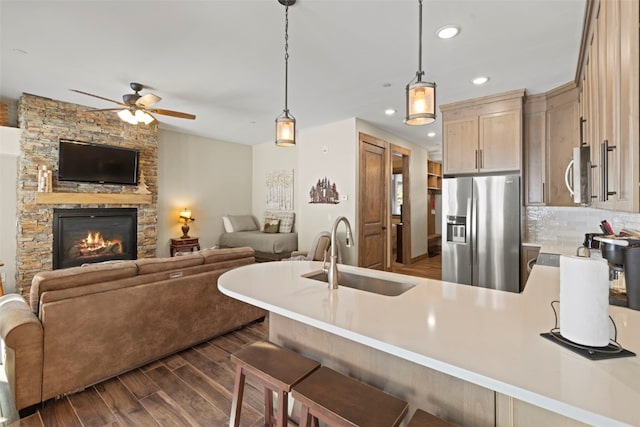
(628, 198)
(461, 146)
(611, 91)
(563, 123)
(535, 128)
(500, 141)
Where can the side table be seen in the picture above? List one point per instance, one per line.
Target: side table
(182, 245)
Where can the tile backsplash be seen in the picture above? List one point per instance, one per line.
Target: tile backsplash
(569, 224)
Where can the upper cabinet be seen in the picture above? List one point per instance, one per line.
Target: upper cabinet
(552, 129)
(609, 79)
(483, 134)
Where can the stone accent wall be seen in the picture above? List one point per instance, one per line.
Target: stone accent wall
(44, 121)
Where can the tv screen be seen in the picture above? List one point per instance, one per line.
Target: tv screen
(105, 164)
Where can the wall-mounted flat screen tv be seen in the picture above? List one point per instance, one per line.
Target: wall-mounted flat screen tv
(104, 164)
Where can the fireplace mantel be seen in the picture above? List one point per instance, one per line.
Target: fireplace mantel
(92, 198)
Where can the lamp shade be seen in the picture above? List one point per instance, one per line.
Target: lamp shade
(285, 130)
(185, 215)
(421, 103)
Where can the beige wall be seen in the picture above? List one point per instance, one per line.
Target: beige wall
(212, 178)
(328, 151)
(9, 151)
(268, 158)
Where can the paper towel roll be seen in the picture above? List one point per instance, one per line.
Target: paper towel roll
(584, 300)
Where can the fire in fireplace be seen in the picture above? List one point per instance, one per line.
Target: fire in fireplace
(93, 235)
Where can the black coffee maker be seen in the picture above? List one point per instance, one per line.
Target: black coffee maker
(623, 256)
(632, 275)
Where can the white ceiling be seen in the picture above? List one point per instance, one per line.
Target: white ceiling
(223, 60)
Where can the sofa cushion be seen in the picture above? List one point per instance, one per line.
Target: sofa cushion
(243, 222)
(286, 219)
(225, 254)
(156, 265)
(78, 276)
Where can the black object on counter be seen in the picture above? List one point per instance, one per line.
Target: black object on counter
(612, 351)
(589, 242)
(632, 276)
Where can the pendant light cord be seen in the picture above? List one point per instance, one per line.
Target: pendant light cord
(286, 56)
(420, 72)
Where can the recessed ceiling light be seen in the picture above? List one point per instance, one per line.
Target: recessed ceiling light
(480, 80)
(448, 31)
(19, 51)
(387, 84)
(389, 111)
(431, 134)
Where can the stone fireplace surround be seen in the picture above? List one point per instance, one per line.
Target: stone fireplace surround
(43, 122)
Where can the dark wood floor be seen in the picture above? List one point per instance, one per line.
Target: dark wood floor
(430, 267)
(190, 388)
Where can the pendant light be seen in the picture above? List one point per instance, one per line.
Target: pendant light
(286, 123)
(421, 96)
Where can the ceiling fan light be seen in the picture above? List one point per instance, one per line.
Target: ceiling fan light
(285, 130)
(127, 116)
(421, 103)
(143, 117)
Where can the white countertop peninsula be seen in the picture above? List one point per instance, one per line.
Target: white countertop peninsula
(486, 337)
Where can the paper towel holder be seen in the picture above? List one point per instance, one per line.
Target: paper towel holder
(611, 351)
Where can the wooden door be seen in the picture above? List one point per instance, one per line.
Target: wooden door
(372, 224)
(500, 141)
(461, 145)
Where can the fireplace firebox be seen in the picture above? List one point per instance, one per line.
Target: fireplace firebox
(93, 235)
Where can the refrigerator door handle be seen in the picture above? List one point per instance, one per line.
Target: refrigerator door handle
(474, 231)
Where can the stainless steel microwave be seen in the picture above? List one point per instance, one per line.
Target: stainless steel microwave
(578, 175)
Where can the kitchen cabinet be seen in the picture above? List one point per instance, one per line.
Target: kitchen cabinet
(552, 129)
(434, 175)
(528, 257)
(609, 78)
(483, 134)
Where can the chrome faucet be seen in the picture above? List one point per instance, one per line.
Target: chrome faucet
(332, 270)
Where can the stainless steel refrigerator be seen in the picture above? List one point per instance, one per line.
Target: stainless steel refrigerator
(481, 231)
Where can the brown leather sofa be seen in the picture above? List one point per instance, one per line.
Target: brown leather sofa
(86, 324)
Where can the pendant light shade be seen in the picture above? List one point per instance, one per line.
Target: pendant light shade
(421, 96)
(286, 123)
(285, 130)
(421, 103)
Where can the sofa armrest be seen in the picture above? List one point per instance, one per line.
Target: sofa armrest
(22, 333)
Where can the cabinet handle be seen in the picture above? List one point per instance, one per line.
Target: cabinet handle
(606, 148)
(481, 158)
(476, 159)
(543, 194)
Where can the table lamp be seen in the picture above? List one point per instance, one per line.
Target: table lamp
(185, 216)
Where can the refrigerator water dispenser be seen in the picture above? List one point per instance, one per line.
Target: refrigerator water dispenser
(456, 229)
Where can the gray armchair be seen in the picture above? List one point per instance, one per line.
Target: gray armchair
(319, 251)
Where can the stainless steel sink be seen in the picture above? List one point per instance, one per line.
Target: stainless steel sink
(364, 283)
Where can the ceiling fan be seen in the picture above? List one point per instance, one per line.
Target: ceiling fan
(137, 107)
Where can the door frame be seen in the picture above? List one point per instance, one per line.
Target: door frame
(389, 148)
(406, 203)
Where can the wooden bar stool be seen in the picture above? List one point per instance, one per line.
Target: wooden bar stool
(274, 367)
(425, 419)
(341, 401)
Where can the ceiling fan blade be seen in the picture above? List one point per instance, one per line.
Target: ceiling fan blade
(95, 110)
(97, 96)
(173, 113)
(147, 100)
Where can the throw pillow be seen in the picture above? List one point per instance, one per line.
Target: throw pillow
(228, 228)
(243, 223)
(286, 219)
(271, 225)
